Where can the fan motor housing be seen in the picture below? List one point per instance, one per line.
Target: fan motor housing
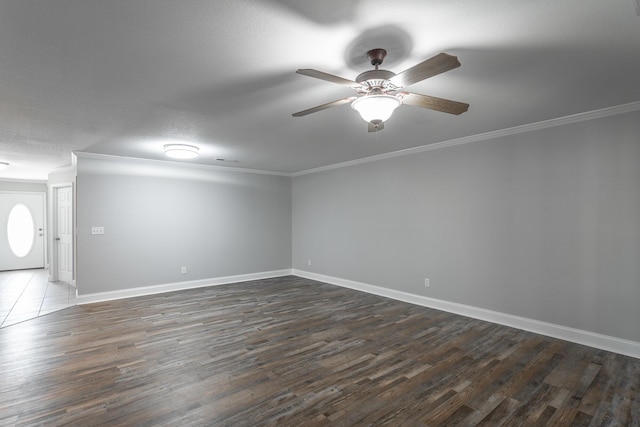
(375, 75)
(375, 80)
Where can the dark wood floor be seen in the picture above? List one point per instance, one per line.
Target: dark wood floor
(290, 352)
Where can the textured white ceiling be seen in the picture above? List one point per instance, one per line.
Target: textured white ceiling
(124, 77)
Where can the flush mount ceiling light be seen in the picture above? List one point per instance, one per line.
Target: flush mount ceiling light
(181, 151)
(3, 165)
(382, 91)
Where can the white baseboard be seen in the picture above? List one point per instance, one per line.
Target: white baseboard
(177, 286)
(591, 339)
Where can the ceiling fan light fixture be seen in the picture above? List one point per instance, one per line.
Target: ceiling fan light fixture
(3, 165)
(376, 107)
(181, 151)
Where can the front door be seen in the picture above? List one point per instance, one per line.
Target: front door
(21, 231)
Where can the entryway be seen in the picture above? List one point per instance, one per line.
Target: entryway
(27, 294)
(26, 291)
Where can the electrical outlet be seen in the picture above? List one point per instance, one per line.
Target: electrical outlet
(308, 262)
(183, 270)
(426, 283)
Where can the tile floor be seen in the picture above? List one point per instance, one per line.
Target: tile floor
(26, 294)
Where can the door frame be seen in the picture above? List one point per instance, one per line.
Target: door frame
(53, 221)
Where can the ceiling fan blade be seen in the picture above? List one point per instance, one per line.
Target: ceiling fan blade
(433, 103)
(429, 68)
(324, 106)
(375, 127)
(328, 77)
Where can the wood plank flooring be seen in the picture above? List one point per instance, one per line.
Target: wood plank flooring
(291, 351)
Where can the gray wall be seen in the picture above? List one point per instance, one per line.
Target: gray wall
(27, 186)
(160, 218)
(543, 225)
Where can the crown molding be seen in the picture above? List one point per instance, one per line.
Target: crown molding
(561, 121)
(176, 164)
(574, 118)
(24, 181)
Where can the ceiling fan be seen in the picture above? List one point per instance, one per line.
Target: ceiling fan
(381, 90)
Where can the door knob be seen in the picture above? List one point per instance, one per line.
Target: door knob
(57, 238)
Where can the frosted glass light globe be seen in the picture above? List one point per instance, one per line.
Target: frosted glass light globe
(376, 107)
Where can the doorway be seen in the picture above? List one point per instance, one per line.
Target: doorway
(61, 265)
(27, 288)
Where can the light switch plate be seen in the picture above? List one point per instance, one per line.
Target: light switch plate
(97, 230)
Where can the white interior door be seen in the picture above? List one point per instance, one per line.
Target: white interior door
(64, 234)
(21, 231)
